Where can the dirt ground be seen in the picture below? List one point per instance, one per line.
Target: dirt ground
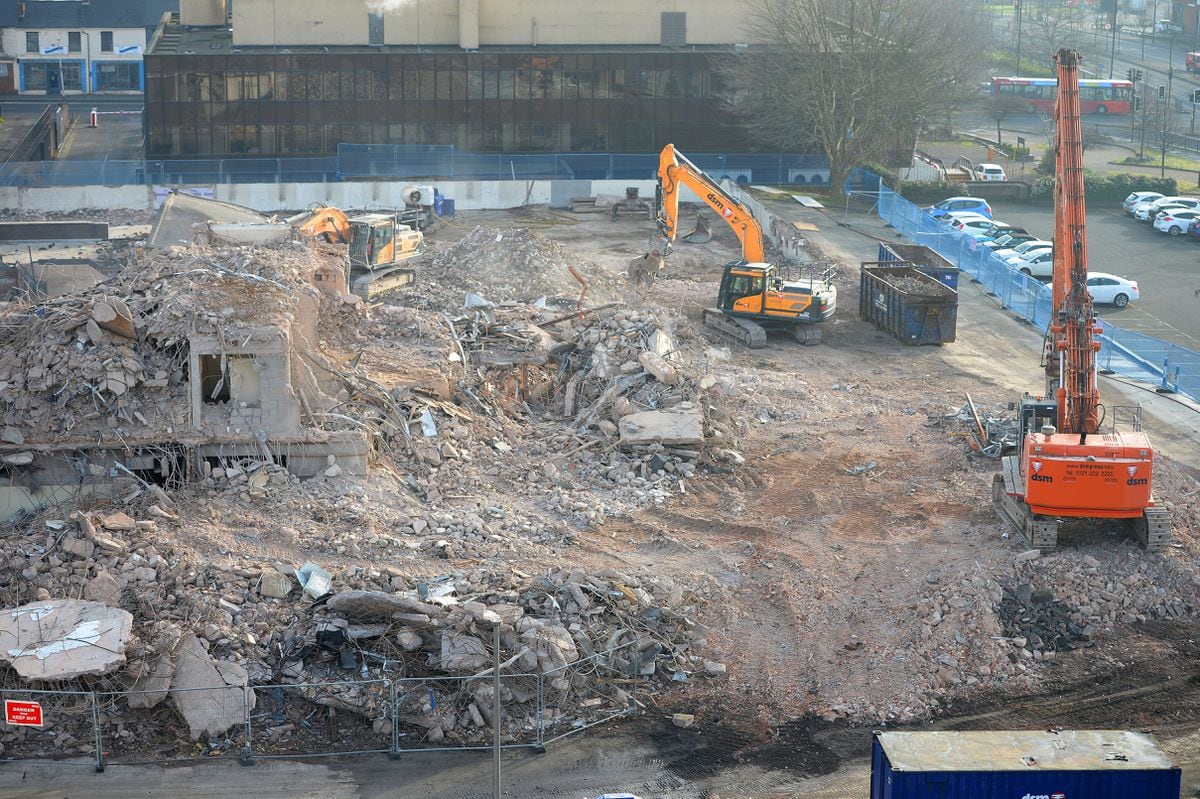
(858, 512)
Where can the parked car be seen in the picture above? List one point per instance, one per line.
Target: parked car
(976, 204)
(1106, 288)
(1039, 263)
(1023, 247)
(1193, 230)
(989, 172)
(974, 225)
(1145, 212)
(1010, 240)
(1176, 220)
(1137, 197)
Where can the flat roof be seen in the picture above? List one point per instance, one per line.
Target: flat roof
(178, 39)
(1024, 750)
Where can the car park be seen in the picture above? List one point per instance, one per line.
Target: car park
(989, 172)
(950, 204)
(1023, 247)
(1112, 289)
(1176, 220)
(1039, 264)
(1137, 197)
(1145, 212)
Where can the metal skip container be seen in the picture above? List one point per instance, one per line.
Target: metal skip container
(923, 258)
(904, 301)
(1033, 764)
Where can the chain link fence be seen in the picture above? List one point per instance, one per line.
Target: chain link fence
(1169, 366)
(386, 715)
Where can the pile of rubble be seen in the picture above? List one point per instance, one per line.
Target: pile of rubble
(202, 626)
(505, 266)
(111, 362)
(990, 632)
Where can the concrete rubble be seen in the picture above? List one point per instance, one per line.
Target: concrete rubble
(431, 471)
(62, 639)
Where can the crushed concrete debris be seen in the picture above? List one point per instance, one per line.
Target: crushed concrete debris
(62, 639)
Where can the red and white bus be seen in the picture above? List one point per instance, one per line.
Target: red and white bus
(1095, 96)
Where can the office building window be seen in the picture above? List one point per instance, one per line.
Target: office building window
(115, 76)
(106, 45)
(375, 29)
(32, 45)
(74, 42)
(674, 28)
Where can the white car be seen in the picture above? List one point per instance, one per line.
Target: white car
(1023, 248)
(1175, 220)
(974, 225)
(1136, 198)
(1145, 212)
(1039, 264)
(990, 172)
(1106, 288)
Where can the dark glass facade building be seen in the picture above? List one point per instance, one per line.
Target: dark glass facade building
(206, 98)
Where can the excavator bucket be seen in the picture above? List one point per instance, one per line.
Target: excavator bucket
(701, 234)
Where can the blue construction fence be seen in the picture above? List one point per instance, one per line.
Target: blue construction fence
(1162, 363)
(355, 162)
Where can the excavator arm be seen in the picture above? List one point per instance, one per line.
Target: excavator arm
(675, 170)
(1071, 365)
(323, 222)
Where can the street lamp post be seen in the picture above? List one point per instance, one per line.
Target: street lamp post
(1019, 6)
(1112, 50)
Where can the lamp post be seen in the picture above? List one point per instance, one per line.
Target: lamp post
(87, 63)
(1112, 50)
(1017, 4)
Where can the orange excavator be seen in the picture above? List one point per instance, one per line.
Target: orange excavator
(1067, 467)
(378, 246)
(753, 297)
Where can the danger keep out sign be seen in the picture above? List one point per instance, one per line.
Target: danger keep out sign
(22, 714)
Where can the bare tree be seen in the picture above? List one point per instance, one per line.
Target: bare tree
(1053, 26)
(854, 77)
(1000, 107)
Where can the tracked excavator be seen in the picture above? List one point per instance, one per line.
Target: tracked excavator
(754, 297)
(380, 248)
(1066, 467)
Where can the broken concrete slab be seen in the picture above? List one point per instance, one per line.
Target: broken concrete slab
(150, 689)
(64, 638)
(378, 606)
(103, 588)
(275, 585)
(118, 522)
(462, 652)
(685, 428)
(657, 365)
(210, 694)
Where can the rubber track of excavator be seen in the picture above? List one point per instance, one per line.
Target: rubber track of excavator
(741, 330)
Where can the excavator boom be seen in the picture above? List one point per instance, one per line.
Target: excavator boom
(1068, 468)
(674, 170)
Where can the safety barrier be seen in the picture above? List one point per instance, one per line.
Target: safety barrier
(355, 162)
(1169, 366)
(386, 715)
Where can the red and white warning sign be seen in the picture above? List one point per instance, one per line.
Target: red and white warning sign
(22, 714)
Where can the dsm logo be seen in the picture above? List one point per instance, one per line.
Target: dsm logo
(1055, 795)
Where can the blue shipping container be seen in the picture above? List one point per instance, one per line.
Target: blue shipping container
(924, 259)
(1082, 764)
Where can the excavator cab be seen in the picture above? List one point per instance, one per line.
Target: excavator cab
(742, 288)
(378, 241)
